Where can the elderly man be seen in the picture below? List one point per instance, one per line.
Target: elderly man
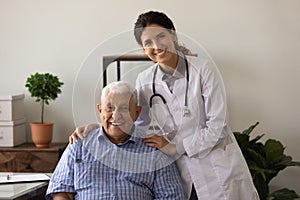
(113, 162)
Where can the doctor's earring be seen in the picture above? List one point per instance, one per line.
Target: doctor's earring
(176, 44)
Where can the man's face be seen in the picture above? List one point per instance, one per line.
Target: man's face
(118, 113)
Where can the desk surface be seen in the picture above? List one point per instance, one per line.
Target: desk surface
(20, 191)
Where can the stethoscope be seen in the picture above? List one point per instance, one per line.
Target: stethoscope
(186, 111)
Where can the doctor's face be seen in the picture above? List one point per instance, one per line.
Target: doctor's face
(158, 44)
(118, 113)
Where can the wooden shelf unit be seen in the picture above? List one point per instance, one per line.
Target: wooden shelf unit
(28, 158)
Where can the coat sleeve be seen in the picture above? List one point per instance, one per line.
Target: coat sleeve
(214, 104)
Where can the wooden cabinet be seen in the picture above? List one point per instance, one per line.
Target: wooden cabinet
(28, 158)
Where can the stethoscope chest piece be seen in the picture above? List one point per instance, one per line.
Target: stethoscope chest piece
(186, 112)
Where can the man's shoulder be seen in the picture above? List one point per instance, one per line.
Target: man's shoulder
(138, 142)
(152, 151)
(90, 139)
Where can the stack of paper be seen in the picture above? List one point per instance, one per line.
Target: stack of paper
(22, 177)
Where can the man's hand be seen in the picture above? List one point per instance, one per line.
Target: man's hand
(63, 196)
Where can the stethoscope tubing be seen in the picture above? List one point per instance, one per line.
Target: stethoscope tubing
(157, 95)
(160, 96)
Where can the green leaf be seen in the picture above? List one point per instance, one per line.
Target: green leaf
(294, 163)
(257, 138)
(284, 194)
(273, 149)
(250, 129)
(256, 157)
(242, 139)
(261, 187)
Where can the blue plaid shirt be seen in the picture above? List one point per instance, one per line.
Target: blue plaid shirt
(95, 168)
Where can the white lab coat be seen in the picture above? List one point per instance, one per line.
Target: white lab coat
(211, 158)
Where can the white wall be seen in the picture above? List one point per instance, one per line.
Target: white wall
(255, 44)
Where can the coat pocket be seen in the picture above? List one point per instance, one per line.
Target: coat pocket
(229, 164)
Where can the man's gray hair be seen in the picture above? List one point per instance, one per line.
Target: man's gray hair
(119, 87)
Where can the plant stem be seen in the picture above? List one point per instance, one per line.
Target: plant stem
(42, 116)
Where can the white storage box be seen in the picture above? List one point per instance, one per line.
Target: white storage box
(11, 107)
(12, 133)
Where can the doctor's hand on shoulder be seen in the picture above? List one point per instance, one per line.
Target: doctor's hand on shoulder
(161, 143)
(82, 132)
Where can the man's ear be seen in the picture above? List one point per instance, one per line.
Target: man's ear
(138, 112)
(99, 108)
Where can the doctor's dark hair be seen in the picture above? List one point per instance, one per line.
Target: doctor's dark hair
(159, 18)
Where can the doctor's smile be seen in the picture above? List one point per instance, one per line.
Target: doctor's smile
(160, 53)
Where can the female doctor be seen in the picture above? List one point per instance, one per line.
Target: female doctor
(186, 96)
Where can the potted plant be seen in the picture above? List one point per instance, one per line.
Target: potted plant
(265, 161)
(45, 88)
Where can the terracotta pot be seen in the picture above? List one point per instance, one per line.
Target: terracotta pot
(41, 134)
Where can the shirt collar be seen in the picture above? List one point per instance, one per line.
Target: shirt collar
(179, 71)
(102, 136)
